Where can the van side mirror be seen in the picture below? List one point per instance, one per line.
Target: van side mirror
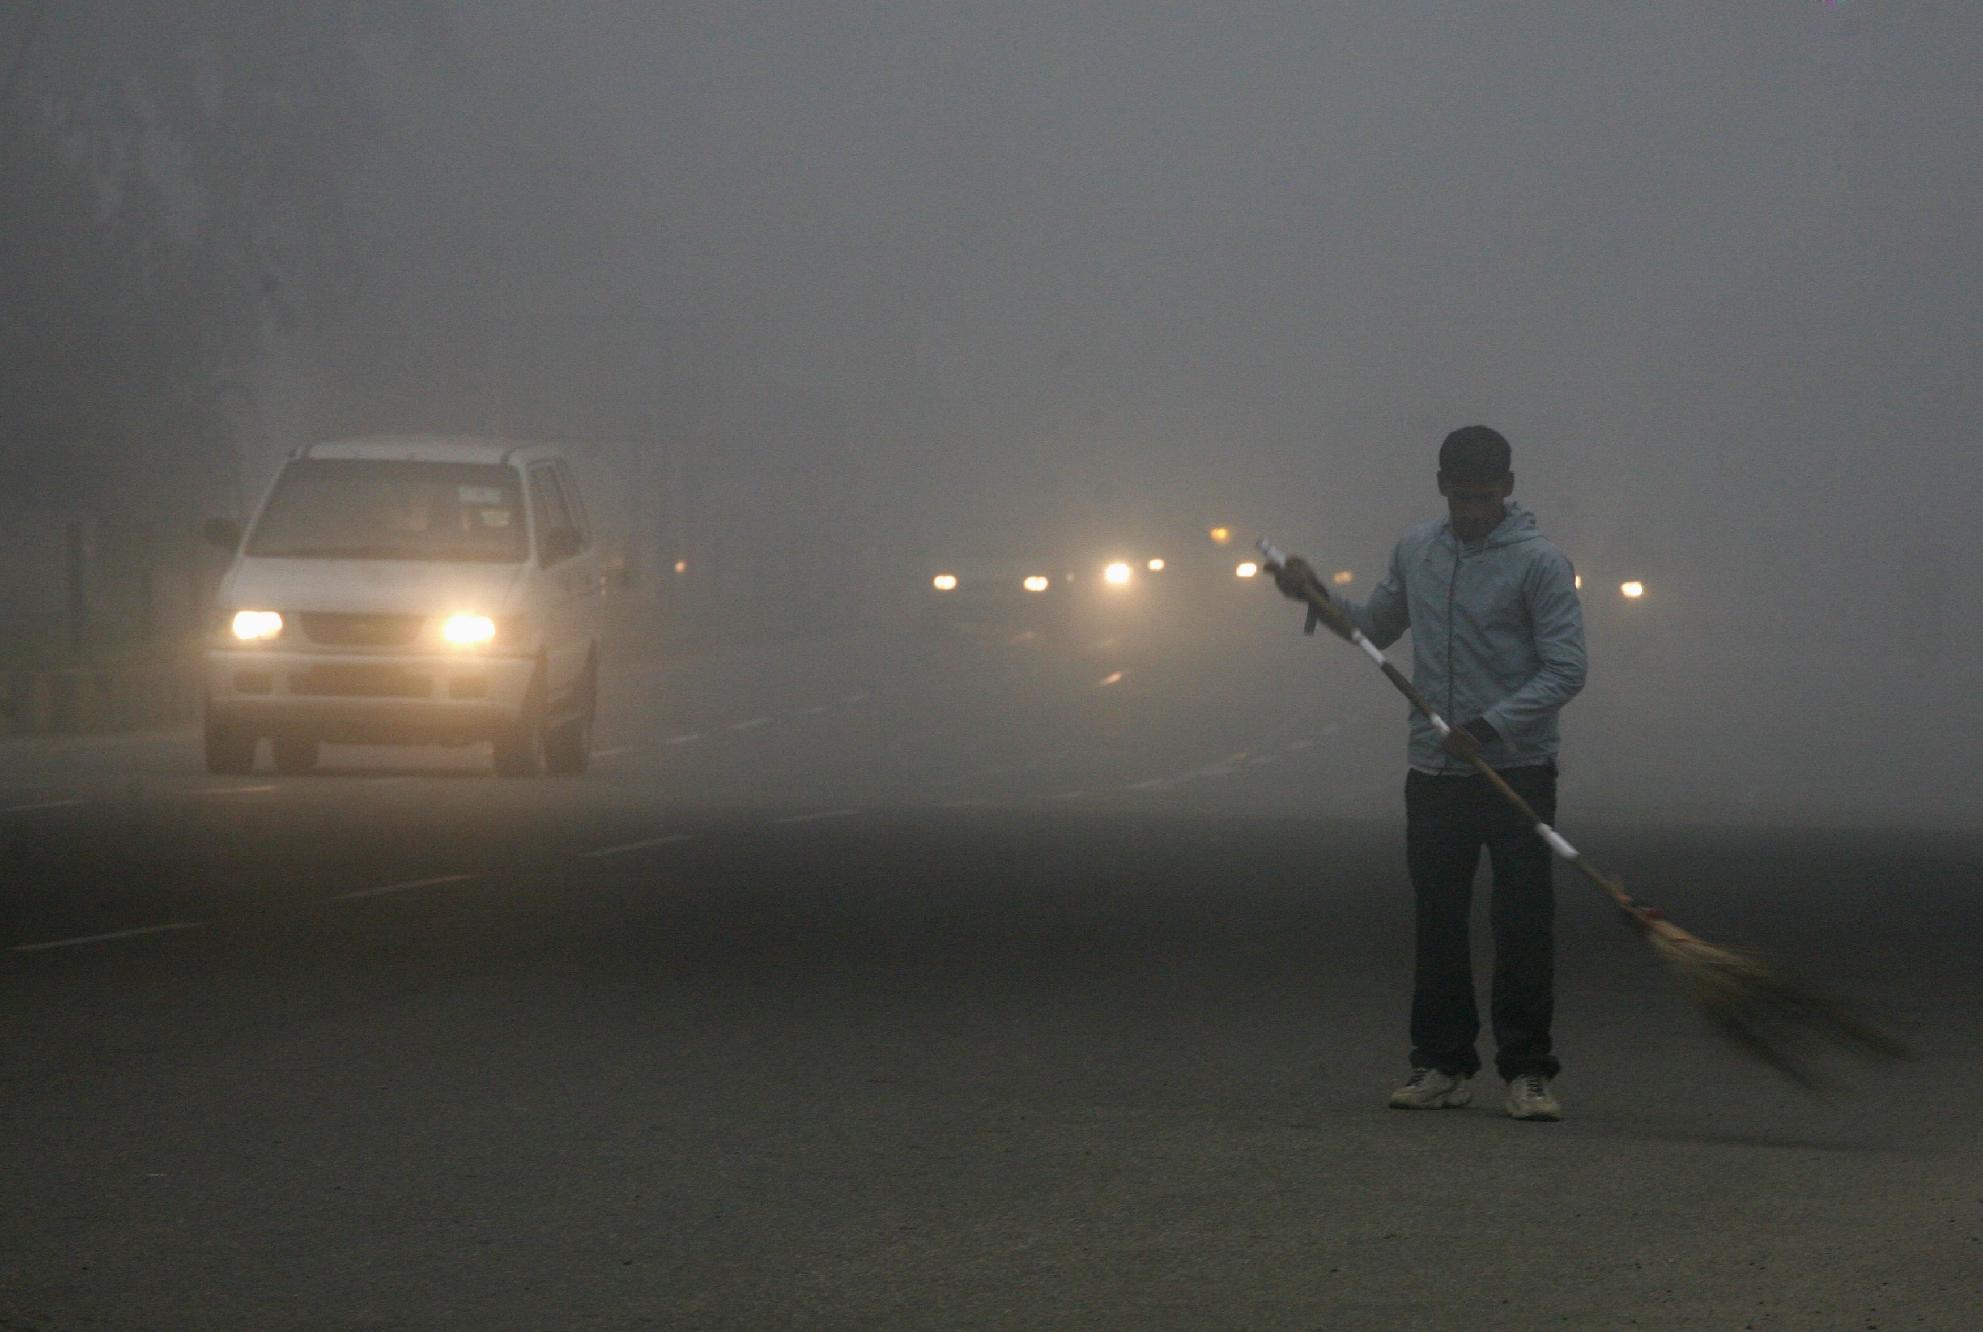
(560, 544)
(222, 532)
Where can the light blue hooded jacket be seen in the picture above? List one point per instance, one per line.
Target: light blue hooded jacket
(1497, 634)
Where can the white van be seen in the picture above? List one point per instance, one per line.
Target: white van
(409, 591)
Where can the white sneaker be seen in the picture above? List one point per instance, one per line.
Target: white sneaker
(1529, 1098)
(1429, 1089)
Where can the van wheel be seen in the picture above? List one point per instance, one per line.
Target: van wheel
(568, 746)
(520, 744)
(294, 754)
(229, 750)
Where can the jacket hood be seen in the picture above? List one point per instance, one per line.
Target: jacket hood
(1517, 526)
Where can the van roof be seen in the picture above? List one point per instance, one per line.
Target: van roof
(429, 448)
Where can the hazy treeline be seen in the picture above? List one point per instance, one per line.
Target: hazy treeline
(176, 176)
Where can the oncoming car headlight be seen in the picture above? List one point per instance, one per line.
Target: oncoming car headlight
(469, 630)
(1117, 573)
(1035, 583)
(256, 626)
(944, 582)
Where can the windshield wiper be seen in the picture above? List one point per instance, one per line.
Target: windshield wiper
(451, 554)
(337, 553)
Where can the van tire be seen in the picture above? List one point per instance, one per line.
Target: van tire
(294, 754)
(519, 745)
(229, 751)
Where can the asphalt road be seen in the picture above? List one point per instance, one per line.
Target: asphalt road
(969, 982)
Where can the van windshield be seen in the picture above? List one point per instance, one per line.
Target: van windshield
(366, 509)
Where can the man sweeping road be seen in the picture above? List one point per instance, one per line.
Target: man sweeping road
(1497, 640)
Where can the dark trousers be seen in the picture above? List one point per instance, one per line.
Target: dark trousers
(1447, 822)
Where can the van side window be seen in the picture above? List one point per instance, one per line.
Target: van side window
(557, 534)
(576, 501)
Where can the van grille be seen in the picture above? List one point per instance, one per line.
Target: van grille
(342, 630)
(360, 682)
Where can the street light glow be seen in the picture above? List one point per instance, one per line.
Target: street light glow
(1632, 590)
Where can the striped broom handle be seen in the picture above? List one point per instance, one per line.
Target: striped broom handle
(1340, 624)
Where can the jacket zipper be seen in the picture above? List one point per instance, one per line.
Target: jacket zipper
(1452, 586)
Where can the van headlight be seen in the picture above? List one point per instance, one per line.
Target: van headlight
(469, 630)
(256, 626)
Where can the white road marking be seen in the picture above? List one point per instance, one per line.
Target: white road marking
(669, 840)
(402, 887)
(1068, 795)
(688, 739)
(608, 753)
(1149, 784)
(40, 804)
(753, 723)
(1113, 677)
(855, 698)
(104, 938)
(233, 790)
(812, 711)
(962, 804)
(817, 815)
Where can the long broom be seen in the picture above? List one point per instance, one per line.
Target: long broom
(1772, 1017)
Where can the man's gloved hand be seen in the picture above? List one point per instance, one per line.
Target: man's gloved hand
(1295, 578)
(1464, 741)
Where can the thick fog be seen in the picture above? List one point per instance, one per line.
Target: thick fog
(816, 292)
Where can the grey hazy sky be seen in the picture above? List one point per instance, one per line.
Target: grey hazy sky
(1663, 246)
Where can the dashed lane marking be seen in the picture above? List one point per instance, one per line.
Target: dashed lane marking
(1149, 784)
(855, 698)
(687, 739)
(624, 847)
(106, 938)
(232, 790)
(40, 804)
(402, 887)
(1068, 795)
(812, 711)
(817, 816)
(752, 724)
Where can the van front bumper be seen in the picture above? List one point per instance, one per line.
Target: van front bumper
(369, 698)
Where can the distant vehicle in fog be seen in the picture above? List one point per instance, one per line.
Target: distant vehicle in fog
(409, 591)
(995, 592)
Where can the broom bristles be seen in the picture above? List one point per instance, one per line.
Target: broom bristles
(1774, 1018)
